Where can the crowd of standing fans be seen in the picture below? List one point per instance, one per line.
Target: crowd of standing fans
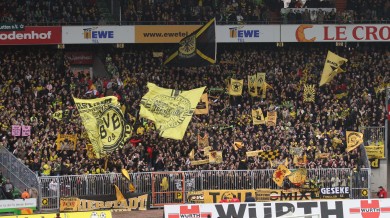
(37, 82)
(87, 12)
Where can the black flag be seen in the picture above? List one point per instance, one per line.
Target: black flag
(197, 49)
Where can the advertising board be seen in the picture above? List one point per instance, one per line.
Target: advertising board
(32, 35)
(359, 208)
(97, 34)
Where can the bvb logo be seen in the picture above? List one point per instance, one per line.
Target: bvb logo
(354, 139)
(112, 129)
(236, 86)
(187, 46)
(364, 192)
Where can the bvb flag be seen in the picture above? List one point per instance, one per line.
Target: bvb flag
(104, 122)
(171, 110)
(309, 93)
(203, 105)
(252, 85)
(235, 87)
(354, 139)
(57, 115)
(258, 117)
(332, 66)
(197, 49)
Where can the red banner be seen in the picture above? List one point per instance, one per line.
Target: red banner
(80, 58)
(32, 36)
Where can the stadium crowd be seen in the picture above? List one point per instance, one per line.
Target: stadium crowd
(86, 12)
(37, 82)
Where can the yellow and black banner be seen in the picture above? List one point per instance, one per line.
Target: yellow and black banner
(271, 118)
(171, 110)
(264, 88)
(203, 141)
(57, 115)
(252, 85)
(260, 79)
(215, 157)
(374, 151)
(354, 139)
(309, 93)
(332, 67)
(93, 203)
(203, 105)
(66, 142)
(235, 87)
(197, 49)
(258, 117)
(104, 122)
(266, 155)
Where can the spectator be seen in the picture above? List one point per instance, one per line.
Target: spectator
(249, 197)
(234, 199)
(224, 200)
(8, 189)
(25, 194)
(382, 193)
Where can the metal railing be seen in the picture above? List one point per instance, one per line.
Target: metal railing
(179, 184)
(18, 173)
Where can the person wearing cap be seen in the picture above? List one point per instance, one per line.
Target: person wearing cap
(382, 193)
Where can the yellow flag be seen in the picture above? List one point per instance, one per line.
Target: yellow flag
(354, 139)
(264, 88)
(57, 115)
(171, 110)
(252, 85)
(66, 142)
(237, 145)
(332, 67)
(119, 195)
(260, 77)
(131, 187)
(258, 117)
(104, 122)
(192, 154)
(309, 93)
(279, 174)
(215, 157)
(271, 118)
(164, 184)
(235, 87)
(203, 105)
(125, 173)
(203, 141)
(298, 177)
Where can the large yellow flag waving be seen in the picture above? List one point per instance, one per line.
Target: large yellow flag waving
(171, 110)
(332, 66)
(104, 122)
(279, 174)
(354, 139)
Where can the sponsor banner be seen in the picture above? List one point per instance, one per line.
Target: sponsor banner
(90, 203)
(215, 196)
(336, 33)
(80, 58)
(11, 26)
(248, 33)
(93, 214)
(163, 33)
(359, 208)
(97, 34)
(335, 193)
(37, 35)
(13, 205)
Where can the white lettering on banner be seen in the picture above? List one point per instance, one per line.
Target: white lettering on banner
(18, 203)
(21, 36)
(335, 190)
(359, 208)
(326, 33)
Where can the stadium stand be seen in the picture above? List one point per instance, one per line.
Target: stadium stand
(37, 82)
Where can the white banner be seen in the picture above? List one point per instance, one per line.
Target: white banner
(97, 34)
(372, 208)
(18, 203)
(335, 33)
(248, 33)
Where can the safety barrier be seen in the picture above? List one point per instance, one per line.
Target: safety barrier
(174, 187)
